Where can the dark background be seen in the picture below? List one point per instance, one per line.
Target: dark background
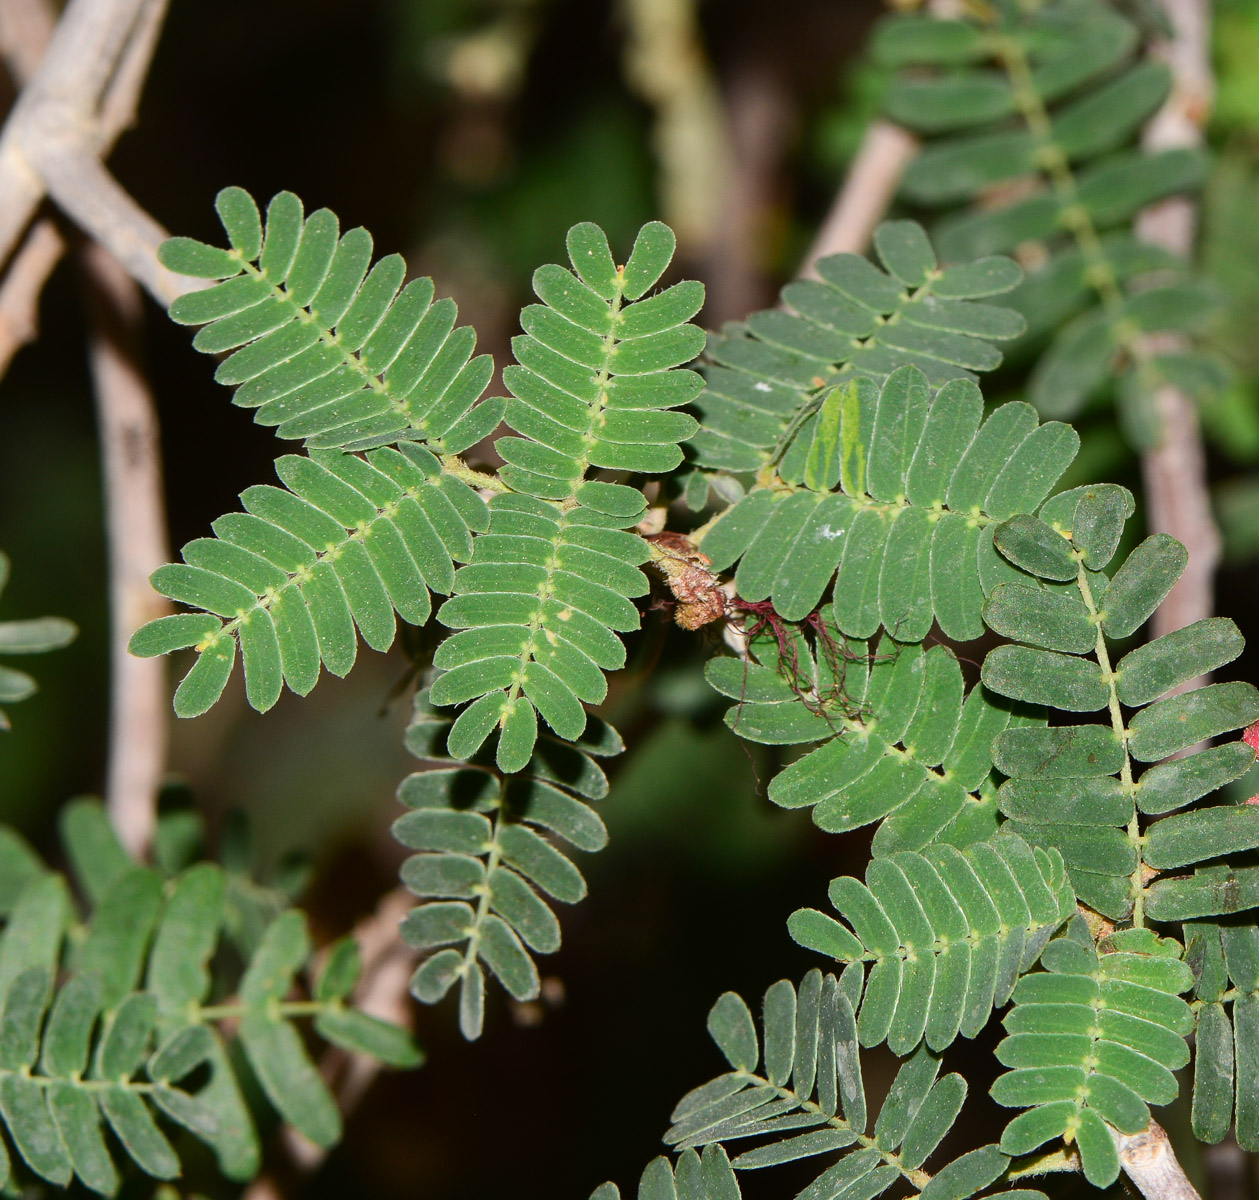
(374, 110)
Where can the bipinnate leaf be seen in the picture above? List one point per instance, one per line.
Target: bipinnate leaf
(810, 1102)
(1093, 1040)
(899, 539)
(1050, 101)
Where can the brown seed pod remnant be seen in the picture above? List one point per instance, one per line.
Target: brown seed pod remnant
(685, 570)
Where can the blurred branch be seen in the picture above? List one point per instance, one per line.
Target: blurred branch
(71, 110)
(665, 62)
(135, 523)
(382, 992)
(23, 284)
(1150, 1162)
(130, 452)
(867, 193)
(1175, 471)
(25, 30)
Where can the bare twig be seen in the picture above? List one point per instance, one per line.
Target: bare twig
(75, 104)
(86, 191)
(135, 521)
(26, 27)
(25, 30)
(130, 453)
(1175, 470)
(1150, 1162)
(871, 183)
(23, 284)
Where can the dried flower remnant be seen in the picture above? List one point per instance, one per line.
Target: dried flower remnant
(685, 570)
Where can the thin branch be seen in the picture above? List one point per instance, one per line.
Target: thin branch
(871, 183)
(1150, 1162)
(25, 30)
(68, 116)
(26, 27)
(121, 101)
(667, 64)
(130, 450)
(85, 190)
(135, 521)
(23, 284)
(1174, 471)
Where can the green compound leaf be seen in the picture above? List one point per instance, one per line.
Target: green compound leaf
(1076, 789)
(545, 595)
(853, 319)
(1029, 117)
(900, 743)
(295, 578)
(1093, 1040)
(323, 348)
(947, 934)
(26, 637)
(903, 538)
(490, 848)
(97, 1051)
(811, 1101)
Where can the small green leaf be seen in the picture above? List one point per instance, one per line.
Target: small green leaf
(341, 969)
(240, 217)
(651, 255)
(1158, 666)
(1064, 752)
(1179, 721)
(289, 1078)
(363, 1034)
(188, 257)
(731, 1027)
(905, 251)
(592, 258)
(1044, 677)
(1141, 584)
(1040, 550)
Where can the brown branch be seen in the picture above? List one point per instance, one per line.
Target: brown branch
(135, 522)
(85, 190)
(1150, 1162)
(869, 186)
(1174, 471)
(25, 30)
